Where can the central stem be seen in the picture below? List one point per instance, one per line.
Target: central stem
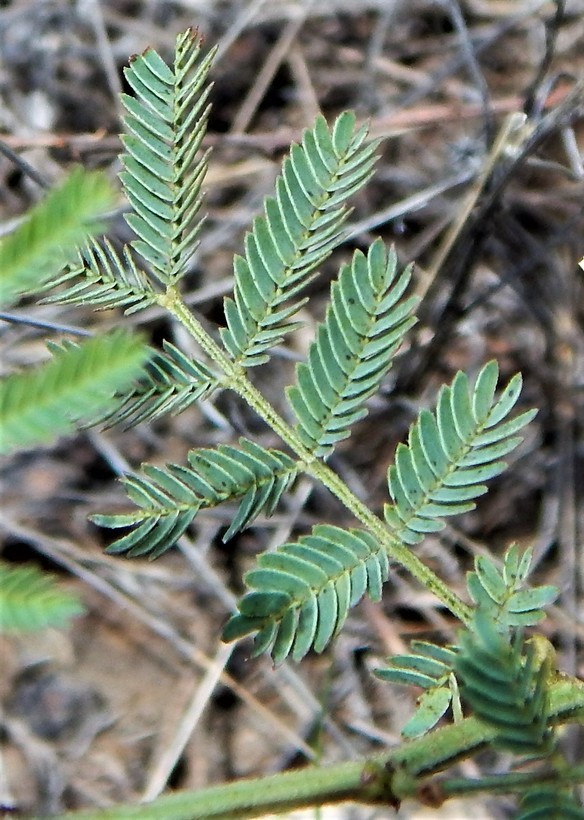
(236, 380)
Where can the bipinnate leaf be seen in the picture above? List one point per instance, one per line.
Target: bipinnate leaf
(51, 232)
(301, 593)
(32, 600)
(168, 498)
(72, 388)
(298, 230)
(451, 452)
(365, 323)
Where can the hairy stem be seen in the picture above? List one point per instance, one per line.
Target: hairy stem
(236, 379)
(385, 779)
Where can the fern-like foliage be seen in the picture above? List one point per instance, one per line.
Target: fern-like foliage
(505, 681)
(47, 238)
(299, 595)
(75, 386)
(170, 383)
(549, 802)
(500, 593)
(451, 453)
(300, 227)
(431, 667)
(31, 600)
(302, 592)
(365, 324)
(169, 498)
(468, 430)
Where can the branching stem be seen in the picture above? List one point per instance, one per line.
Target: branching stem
(236, 379)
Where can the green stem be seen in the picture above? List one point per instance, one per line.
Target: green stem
(236, 380)
(385, 779)
(398, 552)
(246, 798)
(513, 782)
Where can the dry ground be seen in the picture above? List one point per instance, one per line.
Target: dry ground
(139, 695)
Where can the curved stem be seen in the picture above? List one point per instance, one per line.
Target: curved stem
(236, 379)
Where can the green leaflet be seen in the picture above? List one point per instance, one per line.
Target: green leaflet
(301, 594)
(31, 600)
(47, 238)
(75, 386)
(298, 230)
(365, 324)
(430, 707)
(451, 453)
(168, 498)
